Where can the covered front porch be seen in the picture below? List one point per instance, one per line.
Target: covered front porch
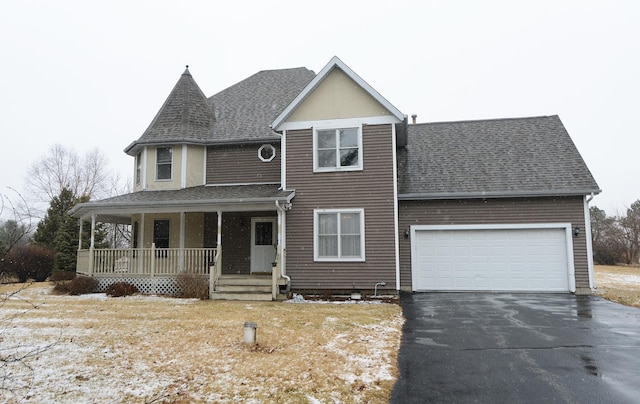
(188, 236)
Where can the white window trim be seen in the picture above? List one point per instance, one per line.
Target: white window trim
(316, 248)
(138, 170)
(145, 157)
(358, 167)
(172, 153)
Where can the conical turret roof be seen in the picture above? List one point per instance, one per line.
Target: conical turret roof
(186, 117)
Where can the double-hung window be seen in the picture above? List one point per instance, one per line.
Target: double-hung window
(337, 149)
(339, 235)
(164, 158)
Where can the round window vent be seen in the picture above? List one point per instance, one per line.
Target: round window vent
(266, 153)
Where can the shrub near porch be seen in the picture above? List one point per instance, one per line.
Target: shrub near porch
(145, 348)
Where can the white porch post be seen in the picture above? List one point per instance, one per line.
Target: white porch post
(219, 230)
(80, 235)
(92, 245)
(141, 244)
(182, 235)
(214, 273)
(278, 264)
(153, 259)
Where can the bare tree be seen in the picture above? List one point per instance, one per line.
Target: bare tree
(18, 225)
(608, 243)
(630, 226)
(63, 168)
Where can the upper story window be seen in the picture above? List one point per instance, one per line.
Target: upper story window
(339, 235)
(138, 167)
(164, 158)
(337, 149)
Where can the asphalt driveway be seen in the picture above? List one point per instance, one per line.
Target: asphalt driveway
(517, 348)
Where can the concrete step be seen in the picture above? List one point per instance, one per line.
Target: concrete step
(253, 297)
(244, 288)
(244, 280)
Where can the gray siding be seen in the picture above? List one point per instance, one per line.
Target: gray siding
(370, 189)
(499, 211)
(240, 164)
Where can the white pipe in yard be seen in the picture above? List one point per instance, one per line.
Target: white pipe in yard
(250, 332)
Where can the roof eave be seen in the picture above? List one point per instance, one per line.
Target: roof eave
(133, 147)
(83, 210)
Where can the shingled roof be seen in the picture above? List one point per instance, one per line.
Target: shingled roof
(185, 117)
(492, 158)
(245, 110)
(208, 198)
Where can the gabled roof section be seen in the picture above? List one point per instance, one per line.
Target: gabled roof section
(185, 117)
(245, 110)
(492, 158)
(334, 63)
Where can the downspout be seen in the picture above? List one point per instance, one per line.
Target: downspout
(282, 246)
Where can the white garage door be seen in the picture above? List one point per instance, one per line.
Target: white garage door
(490, 259)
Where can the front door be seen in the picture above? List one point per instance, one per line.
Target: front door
(263, 243)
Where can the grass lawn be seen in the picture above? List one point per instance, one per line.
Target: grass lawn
(618, 283)
(147, 348)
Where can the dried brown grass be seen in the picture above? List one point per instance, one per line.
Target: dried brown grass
(613, 283)
(142, 349)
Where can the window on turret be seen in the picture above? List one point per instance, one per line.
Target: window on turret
(164, 158)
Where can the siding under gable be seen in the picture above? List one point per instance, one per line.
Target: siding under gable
(337, 97)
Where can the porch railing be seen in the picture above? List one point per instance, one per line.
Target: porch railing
(146, 261)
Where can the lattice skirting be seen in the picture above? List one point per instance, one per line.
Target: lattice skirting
(155, 286)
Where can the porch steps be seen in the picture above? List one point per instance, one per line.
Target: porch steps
(243, 287)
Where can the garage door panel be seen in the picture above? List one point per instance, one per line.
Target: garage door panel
(491, 259)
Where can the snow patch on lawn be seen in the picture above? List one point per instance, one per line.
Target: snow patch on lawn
(621, 279)
(65, 363)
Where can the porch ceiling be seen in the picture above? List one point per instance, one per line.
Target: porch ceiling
(224, 198)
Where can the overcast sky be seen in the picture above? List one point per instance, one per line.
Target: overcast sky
(89, 73)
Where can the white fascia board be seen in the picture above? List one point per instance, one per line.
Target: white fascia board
(340, 123)
(587, 234)
(333, 63)
(507, 226)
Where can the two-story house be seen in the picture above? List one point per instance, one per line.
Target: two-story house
(291, 180)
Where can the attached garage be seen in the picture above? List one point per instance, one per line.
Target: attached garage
(518, 257)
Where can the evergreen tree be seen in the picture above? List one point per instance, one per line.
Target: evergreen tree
(48, 227)
(66, 245)
(59, 231)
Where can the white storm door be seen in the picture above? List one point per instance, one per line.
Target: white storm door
(263, 243)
